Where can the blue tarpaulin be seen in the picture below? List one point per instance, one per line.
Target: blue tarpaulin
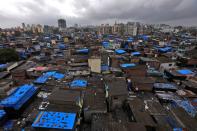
(120, 51)
(126, 46)
(185, 72)
(178, 129)
(194, 103)
(2, 114)
(127, 65)
(42, 79)
(30, 50)
(130, 39)
(61, 46)
(195, 100)
(118, 40)
(105, 44)
(171, 121)
(144, 37)
(8, 125)
(165, 49)
(3, 66)
(19, 96)
(187, 106)
(167, 86)
(58, 76)
(22, 55)
(50, 73)
(135, 53)
(110, 36)
(104, 67)
(78, 83)
(83, 50)
(55, 120)
(58, 36)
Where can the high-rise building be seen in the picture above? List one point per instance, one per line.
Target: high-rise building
(33, 28)
(131, 28)
(105, 29)
(76, 25)
(23, 26)
(61, 24)
(28, 27)
(39, 28)
(118, 28)
(47, 29)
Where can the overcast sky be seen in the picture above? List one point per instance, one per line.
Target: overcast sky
(89, 12)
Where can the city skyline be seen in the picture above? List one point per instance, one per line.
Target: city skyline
(91, 12)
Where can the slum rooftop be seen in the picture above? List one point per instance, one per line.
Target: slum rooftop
(91, 82)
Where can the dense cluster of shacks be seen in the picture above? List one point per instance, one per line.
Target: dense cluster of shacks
(100, 83)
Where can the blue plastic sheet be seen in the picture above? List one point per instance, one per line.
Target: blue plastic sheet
(61, 46)
(171, 121)
(118, 40)
(178, 129)
(55, 120)
(22, 55)
(195, 100)
(2, 114)
(130, 39)
(127, 65)
(135, 53)
(165, 49)
(165, 86)
(2, 66)
(110, 36)
(42, 79)
(78, 83)
(19, 96)
(194, 103)
(120, 51)
(104, 67)
(8, 125)
(58, 76)
(50, 73)
(187, 106)
(185, 72)
(83, 50)
(144, 37)
(105, 44)
(126, 46)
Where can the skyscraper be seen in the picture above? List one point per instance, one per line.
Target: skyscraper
(23, 26)
(61, 24)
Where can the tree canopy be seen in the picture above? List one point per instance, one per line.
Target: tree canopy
(8, 55)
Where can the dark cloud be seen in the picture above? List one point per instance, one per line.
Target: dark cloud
(145, 10)
(103, 11)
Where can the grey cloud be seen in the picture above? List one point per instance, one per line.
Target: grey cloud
(148, 11)
(142, 11)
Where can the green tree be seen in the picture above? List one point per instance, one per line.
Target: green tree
(8, 55)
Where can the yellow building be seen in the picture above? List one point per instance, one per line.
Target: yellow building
(66, 40)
